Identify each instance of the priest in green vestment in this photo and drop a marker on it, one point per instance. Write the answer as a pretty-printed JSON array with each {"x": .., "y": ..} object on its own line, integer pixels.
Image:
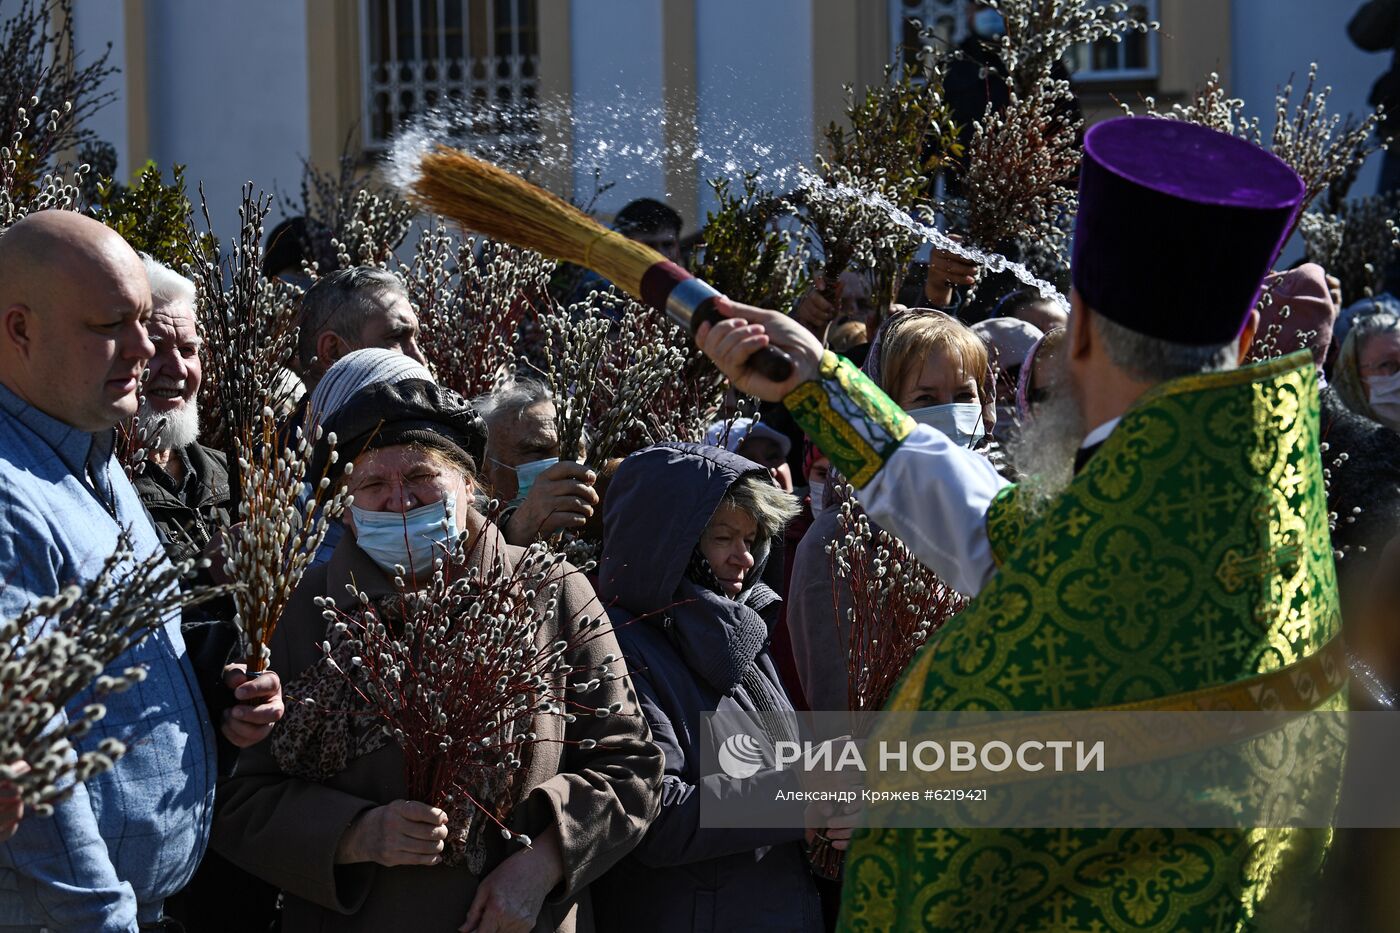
[{"x": 1186, "y": 565}]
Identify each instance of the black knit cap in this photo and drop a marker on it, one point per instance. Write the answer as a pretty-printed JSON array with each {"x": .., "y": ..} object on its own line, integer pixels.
[{"x": 407, "y": 412}]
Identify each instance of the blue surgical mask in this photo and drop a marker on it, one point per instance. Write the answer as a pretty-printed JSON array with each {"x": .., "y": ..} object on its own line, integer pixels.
[
  {"x": 988, "y": 24},
  {"x": 961, "y": 422},
  {"x": 818, "y": 493},
  {"x": 525, "y": 476},
  {"x": 412, "y": 539}
]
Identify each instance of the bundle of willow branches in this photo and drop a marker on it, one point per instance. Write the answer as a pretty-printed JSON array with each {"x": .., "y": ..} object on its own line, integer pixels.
[
  {"x": 457, "y": 672},
  {"x": 25, "y": 189},
  {"x": 747, "y": 253},
  {"x": 625, "y": 377},
  {"x": 1021, "y": 165},
  {"x": 1040, "y": 33},
  {"x": 1320, "y": 147},
  {"x": 896, "y": 604},
  {"x": 472, "y": 297},
  {"x": 279, "y": 532},
  {"x": 40, "y": 71},
  {"x": 1356, "y": 243},
  {"x": 60, "y": 649},
  {"x": 249, "y": 328},
  {"x": 575, "y": 342},
  {"x": 843, "y": 214}
]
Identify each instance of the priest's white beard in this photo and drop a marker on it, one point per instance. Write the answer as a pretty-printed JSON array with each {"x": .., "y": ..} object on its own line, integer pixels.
[
  {"x": 181, "y": 427},
  {"x": 1044, "y": 447}
]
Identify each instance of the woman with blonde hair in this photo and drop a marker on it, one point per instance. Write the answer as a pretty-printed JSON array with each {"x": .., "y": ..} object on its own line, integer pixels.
[{"x": 938, "y": 371}]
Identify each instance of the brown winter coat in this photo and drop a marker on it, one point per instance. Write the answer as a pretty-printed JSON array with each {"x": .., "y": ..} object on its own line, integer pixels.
[{"x": 286, "y": 829}]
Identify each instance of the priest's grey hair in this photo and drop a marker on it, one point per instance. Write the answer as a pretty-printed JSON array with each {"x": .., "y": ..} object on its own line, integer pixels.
[
  {"x": 770, "y": 506},
  {"x": 1149, "y": 359}
]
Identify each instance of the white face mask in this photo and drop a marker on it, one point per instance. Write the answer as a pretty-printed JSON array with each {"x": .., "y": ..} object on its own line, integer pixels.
[
  {"x": 1384, "y": 392},
  {"x": 960, "y": 422},
  {"x": 818, "y": 493}
]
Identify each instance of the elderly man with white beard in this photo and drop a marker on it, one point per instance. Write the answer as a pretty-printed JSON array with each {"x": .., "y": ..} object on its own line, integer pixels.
[{"x": 183, "y": 484}]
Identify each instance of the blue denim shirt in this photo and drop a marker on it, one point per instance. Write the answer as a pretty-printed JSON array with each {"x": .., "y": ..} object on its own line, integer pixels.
[{"x": 127, "y": 839}]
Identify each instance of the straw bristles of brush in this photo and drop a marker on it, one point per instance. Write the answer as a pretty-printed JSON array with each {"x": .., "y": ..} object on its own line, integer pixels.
[{"x": 493, "y": 202}]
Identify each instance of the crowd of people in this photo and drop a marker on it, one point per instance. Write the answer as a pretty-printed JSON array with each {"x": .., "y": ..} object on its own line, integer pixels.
[{"x": 1162, "y": 492}]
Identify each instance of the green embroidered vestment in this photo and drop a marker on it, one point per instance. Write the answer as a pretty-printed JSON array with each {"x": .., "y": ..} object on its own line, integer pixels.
[{"x": 1192, "y": 551}]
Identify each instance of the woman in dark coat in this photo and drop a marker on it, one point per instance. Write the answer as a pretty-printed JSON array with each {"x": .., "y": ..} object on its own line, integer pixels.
[
  {"x": 320, "y": 809},
  {"x": 687, "y": 530}
]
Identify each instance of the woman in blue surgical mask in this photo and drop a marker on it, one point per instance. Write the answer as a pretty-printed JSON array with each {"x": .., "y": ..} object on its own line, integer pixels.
[
  {"x": 937, "y": 369},
  {"x": 583, "y": 793}
]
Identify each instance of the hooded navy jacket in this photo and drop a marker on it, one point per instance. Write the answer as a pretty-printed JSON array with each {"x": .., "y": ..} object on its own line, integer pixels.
[{"x": 679, "y": 650}]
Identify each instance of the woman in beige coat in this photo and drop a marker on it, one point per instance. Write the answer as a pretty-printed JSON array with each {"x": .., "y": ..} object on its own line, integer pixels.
[{"x": 348, "y": 850}]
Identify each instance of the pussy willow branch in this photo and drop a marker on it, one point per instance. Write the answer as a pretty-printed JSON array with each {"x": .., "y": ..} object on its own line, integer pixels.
[
  {"x": 60, "y": 649},
  {"x": 22, "y": 190},
  {"x": 248, "y": 324},
  {"x": 278, "y": 533},
  {"x": 472, "y": 298}
]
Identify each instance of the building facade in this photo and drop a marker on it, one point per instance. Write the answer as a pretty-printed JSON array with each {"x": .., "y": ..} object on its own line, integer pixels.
[{"x": 640, "y": 97}]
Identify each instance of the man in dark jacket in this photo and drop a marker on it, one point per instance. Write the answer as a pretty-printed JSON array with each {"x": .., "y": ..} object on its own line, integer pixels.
[{"x": 693, "y": 618}]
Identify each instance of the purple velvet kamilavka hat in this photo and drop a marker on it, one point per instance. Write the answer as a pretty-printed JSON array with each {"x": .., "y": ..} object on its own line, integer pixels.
[{"x": 1178, "y": 225}]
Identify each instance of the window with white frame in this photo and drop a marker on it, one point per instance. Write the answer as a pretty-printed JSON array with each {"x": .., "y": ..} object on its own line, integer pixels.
[
  {"x": 944, "y": 25},
  {"x": 1132, "y": 58},
  {"x": 481, "y": 57}
]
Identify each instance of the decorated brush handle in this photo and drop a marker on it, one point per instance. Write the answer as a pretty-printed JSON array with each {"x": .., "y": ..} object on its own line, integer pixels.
[{"x": 690, "y": 302}]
